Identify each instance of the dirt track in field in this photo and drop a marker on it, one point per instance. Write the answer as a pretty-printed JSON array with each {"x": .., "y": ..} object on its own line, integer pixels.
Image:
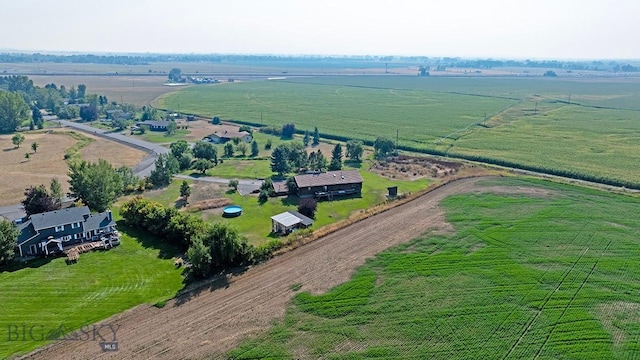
[{"x": 214, "y": 320}]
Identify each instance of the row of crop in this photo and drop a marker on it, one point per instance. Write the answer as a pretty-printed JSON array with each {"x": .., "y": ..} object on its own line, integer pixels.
[{"x": 566, "y": 173}]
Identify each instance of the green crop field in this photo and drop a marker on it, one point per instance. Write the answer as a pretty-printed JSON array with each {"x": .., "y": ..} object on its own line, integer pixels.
[
  {"x": 549, "y": 274},
  {"x": 582, "y": 127},
  {"x": 48, "y": 295}
]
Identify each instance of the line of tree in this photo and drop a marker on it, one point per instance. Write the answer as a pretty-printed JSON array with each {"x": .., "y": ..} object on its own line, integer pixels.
[
  {"x": 210, "y": 247},
  {"x": 348, "y": 61}
]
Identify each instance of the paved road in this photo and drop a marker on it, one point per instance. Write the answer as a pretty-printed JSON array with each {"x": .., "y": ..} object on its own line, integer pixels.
[
  {"x": 12, "y": 212},
  {"x": 245, "y": 186}
]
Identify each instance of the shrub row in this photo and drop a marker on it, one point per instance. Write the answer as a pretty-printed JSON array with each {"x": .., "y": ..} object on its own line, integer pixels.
[{"x": 210, "y": 248}]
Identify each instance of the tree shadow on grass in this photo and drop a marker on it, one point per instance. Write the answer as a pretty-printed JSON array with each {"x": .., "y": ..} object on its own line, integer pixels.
[
  {"x": 353, "y": 164},
  {"x": 18, "y": 265},
  {"x": 290, "y": 200},
  {"x": 166, "y": 250},
  {"x": 194, "y": 288}
]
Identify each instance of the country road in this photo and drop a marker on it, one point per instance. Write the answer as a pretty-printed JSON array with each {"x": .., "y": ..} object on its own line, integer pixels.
[
  {"x": 216, "y": 318},
  {"x": 142, "y": 169}
]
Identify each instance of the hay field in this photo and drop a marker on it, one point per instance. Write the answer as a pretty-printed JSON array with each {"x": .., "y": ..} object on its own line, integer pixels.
[
  {"x": 17, "y": 173},
  {"x": 137, "y": 90}
]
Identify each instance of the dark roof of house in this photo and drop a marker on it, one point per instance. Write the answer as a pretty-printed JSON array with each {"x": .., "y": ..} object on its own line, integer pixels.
[
  {"x": 229, "y": 134},
  {"x": 59, "y": 217},
  {"x": 154, "y": 123},
  {"x": 303, "y": 219},
  {"x": 280, "y": 187},
  {"x": 329, "y": 178},
  {"x": 26, "y": 231},
  {"x": 97, "y": 221}
]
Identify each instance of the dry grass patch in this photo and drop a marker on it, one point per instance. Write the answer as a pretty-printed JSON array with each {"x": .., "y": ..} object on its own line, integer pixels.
[
  {"x": 215, "y": 203},
  {"x": 116, "y": 153},
  {"x": 17, "y": 173}
]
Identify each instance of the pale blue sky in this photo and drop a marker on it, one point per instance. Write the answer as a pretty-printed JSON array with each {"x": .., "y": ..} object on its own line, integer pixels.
[{"x": 558, "y": 29}]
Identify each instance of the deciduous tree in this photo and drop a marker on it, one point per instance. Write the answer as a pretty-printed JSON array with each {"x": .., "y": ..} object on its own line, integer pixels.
[
  {"x": 13, "y": 110},
  {"x": 228, "y": 149},
  {"x": 97, "y": 185},
  {"x": 288, "y": 130},
  {"x": 34, "y": 147},
  {"x": 8, "y": 239},
  {"x": 205, "y": 150},
  {"x": 175, "y": 75},
  {"x": 171, "y": 128},
  {"x": 354, "y": 150},
  {"x": 242, "y": 147},
  {"x": 307, "y": 207},
  {"x": 89, "y": 113},
  {"x": 202, "y": 165},
  {"x": 17, "y": 140},
  {"x": 38, "y": 200},
  {"x": 233, "y": 183},
  {"x": 383, "y": 146}
]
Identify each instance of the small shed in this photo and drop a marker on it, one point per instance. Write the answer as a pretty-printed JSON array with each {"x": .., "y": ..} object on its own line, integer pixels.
[
  {"x": 393, "y": 191},
  {"x": 286, "y": 222}
]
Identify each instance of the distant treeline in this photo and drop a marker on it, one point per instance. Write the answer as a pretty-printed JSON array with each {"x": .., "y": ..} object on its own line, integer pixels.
[{"x": 435, "y": 62}]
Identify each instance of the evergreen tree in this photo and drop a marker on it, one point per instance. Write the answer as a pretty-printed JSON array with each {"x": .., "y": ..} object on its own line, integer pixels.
[
  {"x": 336, "y": 158},
  {"x": 307, "y": 138},
  {"x": 280, "y": 161},
  {"x": 316, "y": 137},
  {"x": 255, "y": 150}
]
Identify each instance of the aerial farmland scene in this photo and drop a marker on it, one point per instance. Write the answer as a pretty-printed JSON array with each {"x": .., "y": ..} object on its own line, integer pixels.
[{"x": 335, "y": 180}]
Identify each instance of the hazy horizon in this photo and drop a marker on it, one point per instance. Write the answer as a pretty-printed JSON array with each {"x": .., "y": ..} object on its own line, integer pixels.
[{"x": 497, "y": 29}]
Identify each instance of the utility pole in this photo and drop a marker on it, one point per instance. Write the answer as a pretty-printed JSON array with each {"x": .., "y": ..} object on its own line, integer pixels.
[
  {"x": 535, "y": 109},
  {"x": 397, "y": 133}
]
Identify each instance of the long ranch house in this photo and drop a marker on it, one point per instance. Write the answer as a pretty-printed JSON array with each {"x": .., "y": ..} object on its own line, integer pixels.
[{"x": 329, "y": 184}]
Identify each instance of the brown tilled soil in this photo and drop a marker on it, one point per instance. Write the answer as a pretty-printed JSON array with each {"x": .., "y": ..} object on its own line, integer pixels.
[
  {"x": 415, "y": 167},
  {"x": 215, "y": 318}
]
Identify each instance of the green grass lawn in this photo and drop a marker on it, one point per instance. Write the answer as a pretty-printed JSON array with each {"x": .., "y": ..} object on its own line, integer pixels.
[
  {"x": 549, "y": 276},
  {"x": 161, "y": 137},
  {"x": 255, "y": 221},
  {"x": 48, "y": 293}
]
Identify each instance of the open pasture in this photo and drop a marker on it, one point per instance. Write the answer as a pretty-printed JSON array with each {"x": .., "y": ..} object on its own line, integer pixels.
[
  {"x": 532, "y": 270},
  {"x": 18, "y": 173},
  {"x": 579, "y": 125}
]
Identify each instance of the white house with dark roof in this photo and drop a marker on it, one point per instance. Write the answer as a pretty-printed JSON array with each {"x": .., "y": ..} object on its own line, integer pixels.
[{"x": 50, "y": 232}]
